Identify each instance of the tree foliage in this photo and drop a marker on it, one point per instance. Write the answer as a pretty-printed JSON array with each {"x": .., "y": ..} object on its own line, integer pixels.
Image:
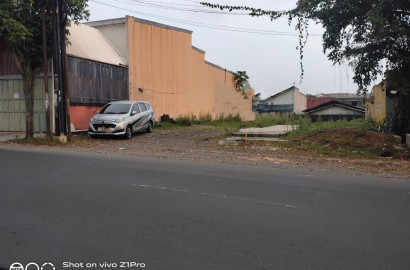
[
  {"x": 241, "y": 82},
  {"x": 364, "y": 32},
  {"x": 20, "y": 24}
]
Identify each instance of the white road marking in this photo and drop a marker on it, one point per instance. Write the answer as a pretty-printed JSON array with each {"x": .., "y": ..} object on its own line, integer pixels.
[{"x": 227, "y": 197}]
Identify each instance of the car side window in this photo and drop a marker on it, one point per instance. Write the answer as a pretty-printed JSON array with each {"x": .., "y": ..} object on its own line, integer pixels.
[
  {"x": 148, "y": 106},
  {"x": 143, "y": 107},
  {"x": 135, "y": 108}
]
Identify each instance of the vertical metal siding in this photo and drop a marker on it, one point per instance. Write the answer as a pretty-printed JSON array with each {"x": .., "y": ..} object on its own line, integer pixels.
[
  {"x": 12, "y": 110},
  {"x": 94, "y": 83}
]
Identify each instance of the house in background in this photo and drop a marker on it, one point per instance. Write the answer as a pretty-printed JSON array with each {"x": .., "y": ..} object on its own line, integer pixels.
[
  {"x": 334, "y": 110},
  {"x": 287, "y": 102},
  {"x": 348, "y": 98},
  {"x": 313, "y": 101}
]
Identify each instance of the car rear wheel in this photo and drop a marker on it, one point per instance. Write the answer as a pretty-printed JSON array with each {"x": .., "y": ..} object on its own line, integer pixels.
[
  {"x": 149, "y": 128},
  {"x": 128, "y": 132}
]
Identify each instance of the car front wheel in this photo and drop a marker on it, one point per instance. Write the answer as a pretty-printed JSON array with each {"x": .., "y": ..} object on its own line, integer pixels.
[
  {"x": 149, "y": 128},
  {"x": 128, "y": 132}
]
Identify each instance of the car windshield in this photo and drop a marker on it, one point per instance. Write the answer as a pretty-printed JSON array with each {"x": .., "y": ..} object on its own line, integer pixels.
[{"x": 116, "y": 109}]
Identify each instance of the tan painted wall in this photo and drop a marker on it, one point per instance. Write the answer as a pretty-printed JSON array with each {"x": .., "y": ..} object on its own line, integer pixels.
[
  {"x": 300, "y": 102},
  {"x": 175, "y": 78},
  {"x": 377, "y": 108},
  {"x": 227, "y": 99}
]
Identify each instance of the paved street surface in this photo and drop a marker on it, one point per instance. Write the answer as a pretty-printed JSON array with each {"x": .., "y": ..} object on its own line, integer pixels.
[{"x": 78, "y": 208}]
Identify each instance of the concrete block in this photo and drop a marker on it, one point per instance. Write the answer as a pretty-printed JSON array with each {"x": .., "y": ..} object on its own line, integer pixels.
[
  {"x": 397, "y": 139},
  {"x": 408, "y": 140},
  {"x": 62, "y": 139}
]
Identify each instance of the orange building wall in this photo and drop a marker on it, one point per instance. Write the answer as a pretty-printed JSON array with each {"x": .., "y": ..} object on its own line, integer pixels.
[
  {"x": 80, "y": 115},
  {"x": 175, "y": 78}
]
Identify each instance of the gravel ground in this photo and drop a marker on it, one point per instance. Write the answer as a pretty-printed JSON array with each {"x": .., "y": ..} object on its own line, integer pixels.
[{"x": 204, "y": 143}]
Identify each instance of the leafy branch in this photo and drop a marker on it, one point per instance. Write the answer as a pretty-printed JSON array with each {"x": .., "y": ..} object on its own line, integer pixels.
[{"x": 241, "y": 82}]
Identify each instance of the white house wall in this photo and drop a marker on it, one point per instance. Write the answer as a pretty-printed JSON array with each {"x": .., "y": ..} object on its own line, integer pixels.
[{"x": 284, "y": 98}]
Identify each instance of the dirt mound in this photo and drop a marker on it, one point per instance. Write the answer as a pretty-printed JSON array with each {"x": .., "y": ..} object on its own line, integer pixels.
[{"x": 357, "y": 141}]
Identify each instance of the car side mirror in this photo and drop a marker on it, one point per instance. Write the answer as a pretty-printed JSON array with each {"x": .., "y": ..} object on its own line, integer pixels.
[{"x": 133, "y": 112}]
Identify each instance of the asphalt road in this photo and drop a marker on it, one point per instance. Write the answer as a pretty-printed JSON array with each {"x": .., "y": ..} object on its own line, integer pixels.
[{"x": 84, "y": 208}]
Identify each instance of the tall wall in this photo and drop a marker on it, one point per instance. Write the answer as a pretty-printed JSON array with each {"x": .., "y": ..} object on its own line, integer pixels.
[
  {"x": 376, "y": 107},
  {"x": 165, "y": 70},
  {"x": 227, "y": 99},
  {"x": 300, "y": 102}
]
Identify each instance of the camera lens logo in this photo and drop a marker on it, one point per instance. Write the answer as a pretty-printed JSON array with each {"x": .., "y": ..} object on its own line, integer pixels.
[
  {"x": 16, "y": 266},
  {"x": 32, "y": 266}
]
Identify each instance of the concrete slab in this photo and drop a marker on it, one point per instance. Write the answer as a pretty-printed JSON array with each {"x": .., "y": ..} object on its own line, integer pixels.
[
  {"x": 273, "y": 131},
  {"x": 236, "y": 140},
  {"x": 7, "y": 136}
]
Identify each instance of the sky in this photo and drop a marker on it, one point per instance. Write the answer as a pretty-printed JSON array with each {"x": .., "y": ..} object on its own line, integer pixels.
[{"x": 269, "y": 57}]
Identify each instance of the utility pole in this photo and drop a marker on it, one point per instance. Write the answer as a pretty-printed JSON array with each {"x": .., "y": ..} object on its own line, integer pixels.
[
  {"x": 65, "y": 69},
  {"x": 58, "y": 67},
  {"x": 55, "y": 71},
  {"x": 43, "y": 22}
]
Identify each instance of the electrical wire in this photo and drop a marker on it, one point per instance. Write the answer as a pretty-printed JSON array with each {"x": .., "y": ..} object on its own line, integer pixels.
[
  {"x": 217, "y": 27},
  {"x": 177, "y": 6}
]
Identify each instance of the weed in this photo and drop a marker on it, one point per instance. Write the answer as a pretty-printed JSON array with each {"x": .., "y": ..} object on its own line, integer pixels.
[
  {"x": 205, "y": 118},
  {"x": 183, "y": 121}
]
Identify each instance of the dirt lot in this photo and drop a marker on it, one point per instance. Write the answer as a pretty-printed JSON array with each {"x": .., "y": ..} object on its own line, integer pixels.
[{"x": 205, "y": 143}]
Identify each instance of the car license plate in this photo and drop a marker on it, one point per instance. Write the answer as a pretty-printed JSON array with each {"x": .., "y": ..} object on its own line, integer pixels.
[{"x": 104, "y": 129}]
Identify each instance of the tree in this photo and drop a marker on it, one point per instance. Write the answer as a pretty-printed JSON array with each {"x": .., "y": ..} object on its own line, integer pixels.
[
  {"x": 21, "y": 21},
  {"x": 364, "y": 32}
]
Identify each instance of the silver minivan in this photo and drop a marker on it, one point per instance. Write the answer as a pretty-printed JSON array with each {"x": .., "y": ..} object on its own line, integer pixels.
[{"x": 122, "y": 118}]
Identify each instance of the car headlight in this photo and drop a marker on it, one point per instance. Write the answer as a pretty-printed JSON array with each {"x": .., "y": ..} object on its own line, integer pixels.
[{"x": 119, "y": 120}]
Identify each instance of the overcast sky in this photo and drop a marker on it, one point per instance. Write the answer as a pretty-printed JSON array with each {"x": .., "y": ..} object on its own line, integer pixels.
[{"x": 271, "y": 59}]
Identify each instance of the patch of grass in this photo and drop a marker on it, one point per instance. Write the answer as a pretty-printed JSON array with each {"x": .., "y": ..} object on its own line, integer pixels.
[
  {"x": 205, "y": 118},
  {"x": 343, "y": 142},
  {"x": 36, "y": 141},
  {"x": 184, "y": 121},
  {"x": 229, "y": 118},
  {"x": 79, "y": 141},
  {"x": 164, "y": 126},
  {"x": 306, "y": 126}
]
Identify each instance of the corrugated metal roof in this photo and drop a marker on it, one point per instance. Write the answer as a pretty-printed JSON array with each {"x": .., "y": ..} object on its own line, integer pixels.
[{"x": 89, "y": 43}]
